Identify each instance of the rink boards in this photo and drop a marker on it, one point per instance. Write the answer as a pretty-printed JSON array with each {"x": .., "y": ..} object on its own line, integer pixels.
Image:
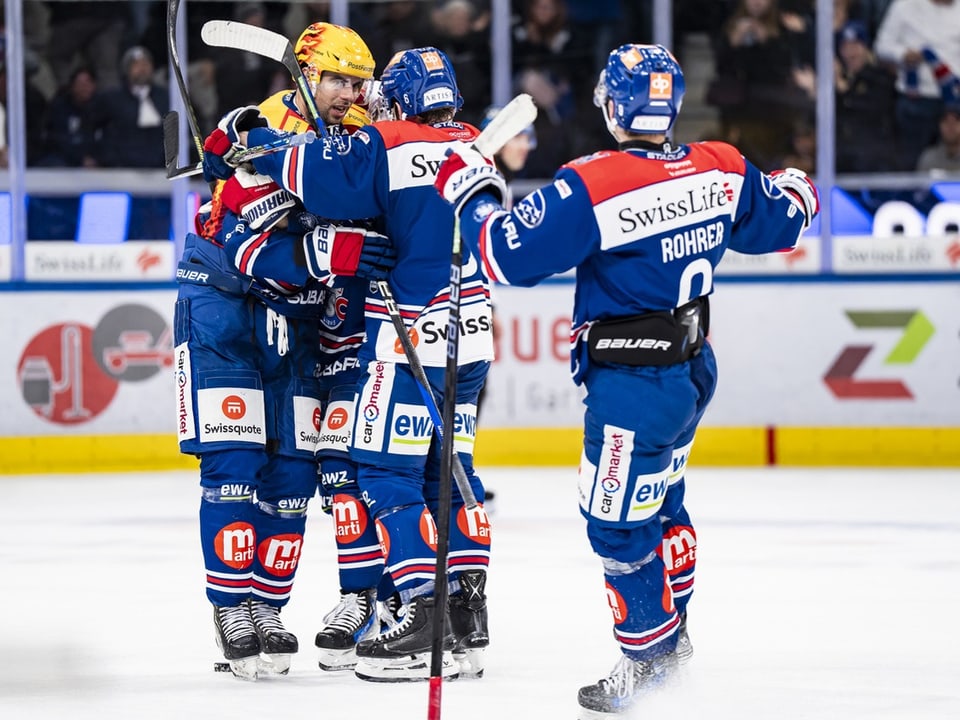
[{"x": 813, "y": 371}]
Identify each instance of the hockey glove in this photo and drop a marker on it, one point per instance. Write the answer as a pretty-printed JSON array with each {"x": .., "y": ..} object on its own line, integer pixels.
[
  {"x": 465, "y": 173},
  {"x": 352, "y": 252},
  {"x": 256, "y": 199},
  {"x": 224, "y": 142},
  {"x": 802, "y": 192}
]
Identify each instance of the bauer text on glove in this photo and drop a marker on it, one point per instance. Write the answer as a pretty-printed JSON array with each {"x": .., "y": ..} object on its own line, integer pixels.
[
  {"x": 348, "y": 251},
  {"x": 464, "y": 174},
  {"x": 220, "y": 146}
]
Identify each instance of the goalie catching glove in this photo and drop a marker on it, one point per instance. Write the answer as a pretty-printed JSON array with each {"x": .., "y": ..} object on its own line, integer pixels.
[
  {"x": 802, "y": 192},
  {"x": 223, "y": 143},
  {"x": 256, "y": 199},
  {"x": 353, "y": 252},
  {"x": 464, "y": 174}
]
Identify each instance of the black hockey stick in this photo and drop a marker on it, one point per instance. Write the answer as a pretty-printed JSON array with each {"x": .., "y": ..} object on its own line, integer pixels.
[
  {"x": 171, "y": 121},
  {"x": 260, "y": 41},
  {"x": 515, "y": 116}
]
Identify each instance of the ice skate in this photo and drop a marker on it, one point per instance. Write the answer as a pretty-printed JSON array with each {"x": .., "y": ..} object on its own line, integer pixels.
[
  {"x": 352, "y": 620},
  {"x": 684, "y": 646},
  {"x": 468, "y": 620},
  {"x": 237, "y": 639},
  {"x": 276, "y": 643},
  {"x": 402, "y": 654},
  {"x": 628, "y": 681}
]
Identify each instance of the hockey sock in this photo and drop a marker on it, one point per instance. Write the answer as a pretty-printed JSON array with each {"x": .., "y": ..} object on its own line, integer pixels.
[{"x": 645, "y": 621}]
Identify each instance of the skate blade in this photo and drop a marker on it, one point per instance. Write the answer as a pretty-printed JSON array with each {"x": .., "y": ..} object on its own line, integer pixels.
[
  {"x": 276, "y": 664},
  {"x": 412, "y": 668},
  {"x": 337, "y": 660},
  {"x": 244, "y": 668},
  {"x": 470, "y": 662},
  {"x": 587, "y": 714}
]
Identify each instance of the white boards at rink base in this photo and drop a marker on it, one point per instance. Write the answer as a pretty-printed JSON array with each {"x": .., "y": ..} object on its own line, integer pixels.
[{"x": 813, "y": 371}]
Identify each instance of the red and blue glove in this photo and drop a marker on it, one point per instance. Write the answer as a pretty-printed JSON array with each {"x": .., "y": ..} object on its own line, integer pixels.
[
  {"x": 223, "y": 143},
  {"x": 464, "y": 174},
  {"x": 802, "y": 192},
  {"x": 348, "y": 251},
  {"x": 256, "y": 199}
]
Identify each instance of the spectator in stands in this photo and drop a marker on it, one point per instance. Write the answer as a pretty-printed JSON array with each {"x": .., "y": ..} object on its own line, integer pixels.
[
  {"x": 945, "y": 154},
  {"x": 461, "y": 29},
  {"x": 865, "y": 99},
  {"x": 133, "y": 135},
  {"x": 34, "y": 108},
  {"x": 754, "y": 90},
  {"x": 74, "y": 123},
  {"x": 398, "y": 25},
  {"x": 245, "y": 78},
  {"x": 87, "y": 33},
  {"x": 910, "y": 28}
]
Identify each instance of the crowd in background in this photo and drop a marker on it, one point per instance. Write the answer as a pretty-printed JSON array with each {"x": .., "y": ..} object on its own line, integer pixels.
[{"x": 97, "y": 73}]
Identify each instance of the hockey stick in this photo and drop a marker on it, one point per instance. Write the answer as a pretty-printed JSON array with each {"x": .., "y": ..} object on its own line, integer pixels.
[
  {"x": 515, "y": 116},
  {"x": 171, "y": 121},
  {"x": 258, "y": 40},
  {"x": 242, "y": 155}
]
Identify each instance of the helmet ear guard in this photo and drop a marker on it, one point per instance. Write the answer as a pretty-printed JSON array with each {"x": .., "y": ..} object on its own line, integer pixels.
[{"x": 646, "y": 85}]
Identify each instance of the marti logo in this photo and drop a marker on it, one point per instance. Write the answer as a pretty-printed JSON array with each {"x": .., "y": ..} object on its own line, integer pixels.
[{"x": 917, "y": 331}]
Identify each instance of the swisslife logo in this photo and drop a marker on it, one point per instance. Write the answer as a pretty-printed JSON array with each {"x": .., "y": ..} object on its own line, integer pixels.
[{"x": 914, "y": 331}]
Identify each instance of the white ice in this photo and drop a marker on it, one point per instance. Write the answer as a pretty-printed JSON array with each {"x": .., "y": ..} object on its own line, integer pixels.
[{"x": 821, "y": 594}]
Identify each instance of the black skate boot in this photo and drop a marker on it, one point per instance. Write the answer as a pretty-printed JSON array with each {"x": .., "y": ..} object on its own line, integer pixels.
[
  {"x": 628, "y": 680},
  {"x": 276, "y": 642},
  {"x": 468, "y": 620},
  {"x": 352, "y": 620},
  {"x": 402, "y": 654},
  {"x": 684, "y": 646},
  {"x": 237, "y": 639}
]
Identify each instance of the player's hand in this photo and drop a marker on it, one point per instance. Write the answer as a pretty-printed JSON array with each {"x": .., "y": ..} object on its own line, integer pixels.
[
  {"x": 802, "y": 192},
  {"x": 349, "y": 251},
  {"x": 465, "y": 173},
  {"x": 256, "y": 199},
  {"x": 220, "y": 146}
]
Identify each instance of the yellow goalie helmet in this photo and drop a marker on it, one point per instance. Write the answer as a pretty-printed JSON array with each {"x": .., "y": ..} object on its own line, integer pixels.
[{"x": 335, "y": 48}]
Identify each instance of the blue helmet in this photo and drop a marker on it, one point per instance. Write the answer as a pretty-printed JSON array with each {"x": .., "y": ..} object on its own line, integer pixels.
[
  {"x": 646, "y": 85},
  {"x": 419, "y": 80}
]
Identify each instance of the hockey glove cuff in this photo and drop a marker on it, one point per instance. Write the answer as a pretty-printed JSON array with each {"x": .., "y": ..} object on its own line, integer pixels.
[
  {"x": 802, "y": 192},
  {"x": 352, "y": 252},
  {"x": 464, "y": 174},
  {"x": 223, "y": 143},
  {"x": 256, "y": 199}
]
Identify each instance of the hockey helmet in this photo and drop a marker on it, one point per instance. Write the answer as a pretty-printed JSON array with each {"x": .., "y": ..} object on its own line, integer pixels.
[
  {"x": 646, "y": 85},
  {"x": 419, "y": 80},
  {"x": 335, "y": 48}
]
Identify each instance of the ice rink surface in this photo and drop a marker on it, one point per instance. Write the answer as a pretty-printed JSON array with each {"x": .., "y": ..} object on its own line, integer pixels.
[{"x": 821, "y": 594}]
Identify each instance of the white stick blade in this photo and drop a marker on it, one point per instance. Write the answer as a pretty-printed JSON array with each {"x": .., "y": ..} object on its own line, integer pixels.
[
  {"x": 515, "y": 116},
  {"x": 226, "y": 33}
]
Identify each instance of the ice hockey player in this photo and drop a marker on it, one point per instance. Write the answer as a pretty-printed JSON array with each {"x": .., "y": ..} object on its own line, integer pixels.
[
  {"x": 253, "y": 290},
  {"x": 387, "y": 170},
  {"x": 645, "y": 227}
]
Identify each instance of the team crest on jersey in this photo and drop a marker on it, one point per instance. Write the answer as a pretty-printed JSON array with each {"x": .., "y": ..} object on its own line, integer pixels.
[
  {"x": 335, "y": 311},
  {"x": 531, "y": 209}
]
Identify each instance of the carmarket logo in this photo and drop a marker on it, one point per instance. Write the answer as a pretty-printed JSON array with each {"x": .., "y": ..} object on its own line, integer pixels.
[{"x": 917, "y": 331}]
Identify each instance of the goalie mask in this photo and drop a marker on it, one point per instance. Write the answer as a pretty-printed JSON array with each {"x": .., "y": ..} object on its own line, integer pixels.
[
  {"x": 646, "y": 85},
  {"x": 324, "y": 46},
  {"x": 420, "y": 80}
]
